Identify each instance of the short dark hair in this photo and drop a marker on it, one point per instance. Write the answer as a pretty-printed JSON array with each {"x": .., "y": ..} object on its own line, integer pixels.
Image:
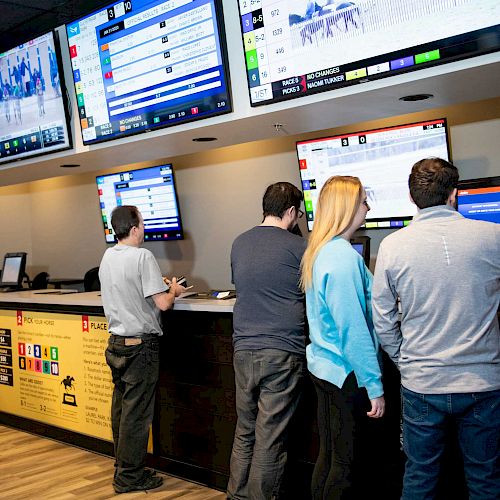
[
  {"x": 279, "y": 197},
  {"x": 123, "y": 219},
  {"x": 431, "y": 182}
]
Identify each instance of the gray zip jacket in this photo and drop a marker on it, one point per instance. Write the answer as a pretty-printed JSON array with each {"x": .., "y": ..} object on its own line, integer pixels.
[{"x": 445, "y": 270}]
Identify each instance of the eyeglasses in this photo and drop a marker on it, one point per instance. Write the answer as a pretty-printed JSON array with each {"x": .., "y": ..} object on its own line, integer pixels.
[
  {"x": 300, "y": 212},
  {"x": 365, "y": 203}
]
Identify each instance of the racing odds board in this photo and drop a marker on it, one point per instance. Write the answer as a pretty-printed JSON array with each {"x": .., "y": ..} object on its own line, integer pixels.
[{"x": 300, "y": 47}]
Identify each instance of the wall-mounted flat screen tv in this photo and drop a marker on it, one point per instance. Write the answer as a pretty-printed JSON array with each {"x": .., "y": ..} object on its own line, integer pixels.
[
  {"x": 152, "y": 190},
  {"x": 301, "y": 47},
  {"x": 33, "y": 112},
  {"x": 139, "y": 65},
  {"x": 479, "y": 199},
  {"x": 381, "y": 158}
]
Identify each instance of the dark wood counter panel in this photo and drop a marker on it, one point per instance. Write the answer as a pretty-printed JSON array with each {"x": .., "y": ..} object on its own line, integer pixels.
[{"x": 195, "y": 406}]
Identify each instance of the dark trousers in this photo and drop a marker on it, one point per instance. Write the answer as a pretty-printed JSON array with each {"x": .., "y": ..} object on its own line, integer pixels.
[
  {"x": 135, "y": 373},
  {"x": 357, "y": 456},
  {"x": 427, "y": 420},
  {"x": 268, "y": 389}
]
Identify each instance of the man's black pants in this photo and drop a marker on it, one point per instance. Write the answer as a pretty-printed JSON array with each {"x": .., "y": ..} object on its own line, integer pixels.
[{"x": 135, "y": 373}]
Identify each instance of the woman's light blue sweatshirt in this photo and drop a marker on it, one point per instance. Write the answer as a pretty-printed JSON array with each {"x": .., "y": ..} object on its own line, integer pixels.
[{"x": 340, "y": 320}]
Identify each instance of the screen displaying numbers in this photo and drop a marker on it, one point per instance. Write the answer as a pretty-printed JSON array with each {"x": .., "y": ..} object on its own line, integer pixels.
[
  {"x": 152, "y": 191},
  {"x": 299, "y": 47},
  {"x": 382, "y": 159},
  {"x": 142, "y": 64}
]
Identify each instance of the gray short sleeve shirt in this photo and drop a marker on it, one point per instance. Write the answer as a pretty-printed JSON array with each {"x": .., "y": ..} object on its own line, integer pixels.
[{"x": 129, "y": 277}]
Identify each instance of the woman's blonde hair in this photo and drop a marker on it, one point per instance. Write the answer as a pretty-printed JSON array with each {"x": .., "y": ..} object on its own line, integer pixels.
[{"x": 337, "y": 205}]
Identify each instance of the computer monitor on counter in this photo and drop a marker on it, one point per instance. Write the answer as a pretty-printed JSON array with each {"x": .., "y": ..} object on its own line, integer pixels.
[
  {"x": 362, "y": 245},
  {"x": 479, "y": 199},
  {"x": 14, "y": 265}
]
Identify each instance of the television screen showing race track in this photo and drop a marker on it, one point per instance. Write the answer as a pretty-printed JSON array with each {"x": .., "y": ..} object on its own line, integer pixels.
[
  {"x": 33, "y": 117},
  {"x": 381, "y": 158},
  {"x": 300, "y": 47}
]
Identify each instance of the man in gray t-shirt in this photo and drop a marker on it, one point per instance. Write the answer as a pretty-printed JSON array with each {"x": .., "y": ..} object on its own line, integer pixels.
[
  {"x": 445, "y": 271},
  {"x": 133, "y": 296},
  {"x": 269, "y": 344}
]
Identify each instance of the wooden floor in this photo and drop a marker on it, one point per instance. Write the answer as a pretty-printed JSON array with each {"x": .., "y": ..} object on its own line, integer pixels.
[{"x": 33, "y": 467}]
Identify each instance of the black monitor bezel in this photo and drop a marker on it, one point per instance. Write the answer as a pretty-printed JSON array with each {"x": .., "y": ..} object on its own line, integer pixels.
[
  {"x": 181, "y": 225},
  {"x": 480, "y": 182},
  {"x": 219, "y": 15},
  {"x": 22, "y": 269},
  {"x": 65, "y": 100}
]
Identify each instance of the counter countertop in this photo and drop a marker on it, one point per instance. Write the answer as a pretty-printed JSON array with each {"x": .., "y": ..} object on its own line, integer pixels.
[{"x": 93, "y": 299}]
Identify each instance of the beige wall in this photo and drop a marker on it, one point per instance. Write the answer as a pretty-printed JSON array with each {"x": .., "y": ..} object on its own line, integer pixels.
[
  {"x": 58, "y": 222},
  {"x": 15, "y": 213}
]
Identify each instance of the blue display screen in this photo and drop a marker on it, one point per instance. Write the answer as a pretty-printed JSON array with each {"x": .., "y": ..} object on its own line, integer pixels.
[
  {"x": 142, "y": 64},
  {"x": 152, "y": 190},
  {"x": 480, "y": 203}
]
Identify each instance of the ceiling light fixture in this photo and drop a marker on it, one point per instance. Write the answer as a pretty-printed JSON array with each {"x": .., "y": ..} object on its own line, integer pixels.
[
  {"x": 416, "y": 97},
  {"x": 204, "y": 139}
]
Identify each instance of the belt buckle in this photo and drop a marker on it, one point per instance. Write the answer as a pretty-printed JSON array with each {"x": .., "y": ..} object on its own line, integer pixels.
[{"x": 132, "y": 341}]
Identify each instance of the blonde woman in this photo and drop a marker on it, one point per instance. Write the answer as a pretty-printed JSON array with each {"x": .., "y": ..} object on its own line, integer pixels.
[{"x": 342, "y": 355}]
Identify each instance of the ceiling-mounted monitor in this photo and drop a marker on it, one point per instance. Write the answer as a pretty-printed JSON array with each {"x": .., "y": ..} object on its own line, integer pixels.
[
  {"x": 152, "y": 190},
  {"x": 301, "y": 47},
  {"x": 33, "y": 109},
  {"x": 140, "y": 65},
  {"x": 381, "y": 158}
]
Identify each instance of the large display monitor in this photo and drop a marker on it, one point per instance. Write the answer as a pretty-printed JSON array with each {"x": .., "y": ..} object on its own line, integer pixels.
[
  {"x": 381, "y": 158},
  {"x": 300, "y": 47},
  {"x": 139, "y": 65},
  {"x": 479, "y": 199},
  {"x": 33, "y": 111},
  {"x": 152, "y": 190},
  {"x": 14, "y": 265}
]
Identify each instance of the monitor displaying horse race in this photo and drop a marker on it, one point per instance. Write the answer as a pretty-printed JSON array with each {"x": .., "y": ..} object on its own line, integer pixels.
[
  {"x": 300, "y": 47},
  {"x": 34, "y": 117}
]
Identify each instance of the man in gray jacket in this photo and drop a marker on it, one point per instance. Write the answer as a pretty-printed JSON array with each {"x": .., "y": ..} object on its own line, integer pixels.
[{"x": 445, "y": 272}]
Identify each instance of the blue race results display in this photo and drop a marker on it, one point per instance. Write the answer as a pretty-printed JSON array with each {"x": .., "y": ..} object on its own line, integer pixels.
[
  {"x": 152, "y": 190},
  {"x": 479, "y": 199},
  {"x": 141, "y": 64}
]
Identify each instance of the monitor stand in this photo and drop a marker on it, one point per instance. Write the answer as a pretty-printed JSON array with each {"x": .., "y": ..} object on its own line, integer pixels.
[{"x": 6, "y": 289}]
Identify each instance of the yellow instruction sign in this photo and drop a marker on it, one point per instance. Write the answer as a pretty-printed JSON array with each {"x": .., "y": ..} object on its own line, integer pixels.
[{"x": 52, "y": 369}]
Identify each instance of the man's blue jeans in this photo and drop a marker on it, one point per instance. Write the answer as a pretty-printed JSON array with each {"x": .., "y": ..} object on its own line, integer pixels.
[
  {"x": 268, "y": 389},
  {"x": 135, "y": 371},
  {"x": 427, "y": 419}
]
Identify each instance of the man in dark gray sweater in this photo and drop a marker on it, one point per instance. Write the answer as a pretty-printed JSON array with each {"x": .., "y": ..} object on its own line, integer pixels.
[
  {"x": 445, "y": 271},
  {"x": 269, "y": 344}
]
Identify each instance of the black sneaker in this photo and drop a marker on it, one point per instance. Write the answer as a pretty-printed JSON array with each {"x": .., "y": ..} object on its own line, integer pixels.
[
  {"x": 148, "y": 483},
  {"x": 149, "y": 472}
]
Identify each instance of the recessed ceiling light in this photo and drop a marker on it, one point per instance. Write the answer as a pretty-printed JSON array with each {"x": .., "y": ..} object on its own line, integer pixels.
[
  {"x": 69, "y": 165},
  {"x": 416, "y": 97},
  {"x": 204, "y": 139}
]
